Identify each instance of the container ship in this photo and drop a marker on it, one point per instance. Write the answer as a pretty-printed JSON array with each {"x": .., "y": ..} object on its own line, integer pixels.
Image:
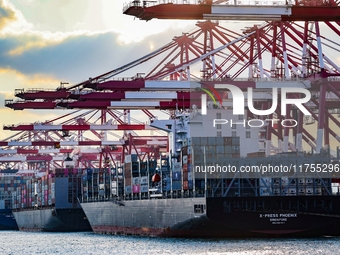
[
  {"x": 189, "y": 191},
  {"x": 50, "y": 203},
  {"x": 10, "y": 179}
]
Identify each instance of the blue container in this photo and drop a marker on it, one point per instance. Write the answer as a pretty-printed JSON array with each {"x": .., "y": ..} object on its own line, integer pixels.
[
  {"x": 191, "y": 184},
  {"x": 152, "y": 165},
  {"x": 202, "y": 184},
  {"x": 134, "y": 158},
  {"x": 176, "y": 185},
  {"x": 165, "y": 168},
  {"x": 143, "y": 166},
  {"x": 176, "y": 176},
  {"x": 135, "y": 167}
]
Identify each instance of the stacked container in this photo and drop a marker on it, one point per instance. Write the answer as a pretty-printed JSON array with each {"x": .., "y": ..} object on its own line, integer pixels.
[
  {"x": 165, "y": 174},
  {"x": 101, "y": 183},
  {"x": 40, "y": 192},
  {"x": 8, "y": 186}
]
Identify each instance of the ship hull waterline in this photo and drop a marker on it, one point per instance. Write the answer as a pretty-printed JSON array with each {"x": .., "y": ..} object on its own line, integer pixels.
[
  {"x": 52, "y": 220},
  {"x": 176, "y": 218}
]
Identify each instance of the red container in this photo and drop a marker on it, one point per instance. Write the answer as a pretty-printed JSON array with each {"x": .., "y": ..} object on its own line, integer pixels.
[
  {"x": 128, "y": 181},
  {"x": 185, "y": 185},
  {"x": 185, "y": 176},
  {"x": 185, "y": 168},
  {"x": 189, "y": 158},
  {"x": 136, "y": 188},
  {"x": 185, "y": 150}
]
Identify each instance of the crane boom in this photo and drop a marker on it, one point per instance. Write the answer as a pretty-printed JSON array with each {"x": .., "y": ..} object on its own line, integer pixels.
[{"x": 271, "y": 10}]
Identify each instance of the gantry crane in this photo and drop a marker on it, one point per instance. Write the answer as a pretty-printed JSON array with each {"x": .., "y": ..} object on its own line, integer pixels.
[
  {"x": 90, "y": 137},
  {"x": 297, "y": 53},
  {"x": 265, "y": 10}
]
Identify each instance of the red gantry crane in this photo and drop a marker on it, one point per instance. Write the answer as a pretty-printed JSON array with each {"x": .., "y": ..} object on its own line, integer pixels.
[
  {"x": 94, "y": 138},
  {"x": 265, "y": 10},
  {"x": 276, "y": 52}
]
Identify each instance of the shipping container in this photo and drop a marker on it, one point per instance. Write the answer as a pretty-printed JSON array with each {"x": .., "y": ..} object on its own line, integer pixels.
[
  {"x": 128, "y": 189},
  {"x": 143, "y": 180},
  {"x": 176, "y": 176},
  {"x": 185, "y": 185},
  {"x": 128, "y": 181},
  {"x": 176, "y": 185},
  {"x": 136, "y": 188},
  {"x": 184, "y": 150},
  {"x": 144, "y": 188},
  {"x": 185, "y": 168},
  {"x": 177, "y": 166},
  {"x": 136, "y": 181},
  {"x": 185, "y": 159}
]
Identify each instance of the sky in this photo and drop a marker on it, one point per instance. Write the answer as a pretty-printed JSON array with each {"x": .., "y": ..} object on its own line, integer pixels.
[{"x": 43, "y": 43}]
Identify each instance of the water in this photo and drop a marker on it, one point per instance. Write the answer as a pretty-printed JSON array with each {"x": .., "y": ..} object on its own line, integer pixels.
[{"x": 15, "y": 242}]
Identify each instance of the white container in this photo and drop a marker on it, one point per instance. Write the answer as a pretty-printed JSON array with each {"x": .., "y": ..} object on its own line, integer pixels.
[
  {"x": 185, "y": 159},
  {"x": 136, "y": 181},
  {"x": 144, "y": 188},
  {"x": 113, "y": 184},
  {"x": 144, "y": 180},
  {"x": 127, "y": 159}
]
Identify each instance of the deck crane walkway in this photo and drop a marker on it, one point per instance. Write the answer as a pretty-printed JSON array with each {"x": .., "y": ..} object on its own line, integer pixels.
[{"x": 266, "y": 10}]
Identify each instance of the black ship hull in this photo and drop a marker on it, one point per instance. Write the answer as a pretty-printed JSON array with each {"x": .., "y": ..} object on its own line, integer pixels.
[
  {"x": 52, "y": 220},
  {"x": 7, "y": 220},
  {"x": 294, "y": 216}
]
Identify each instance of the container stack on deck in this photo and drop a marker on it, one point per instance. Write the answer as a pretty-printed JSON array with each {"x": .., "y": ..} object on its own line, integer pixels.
[
  {"x": 41, "y": 192},
  {"x": 36, "y": 192},
  {"x": 101, "y": 183},
  {"x": 165, "y": 174},
  {"x": 8, "y": 186}
]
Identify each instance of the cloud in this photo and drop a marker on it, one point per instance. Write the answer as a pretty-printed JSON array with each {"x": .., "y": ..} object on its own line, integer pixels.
[
  {"x": 77, "y": 57},
  {"x": 74, "y": 55},
  {"x": 7, "y": 14},
  {"x": 11, "y": 19},
  {"x": 9, "y": 117},
  {"x": 12, "y": 79}
]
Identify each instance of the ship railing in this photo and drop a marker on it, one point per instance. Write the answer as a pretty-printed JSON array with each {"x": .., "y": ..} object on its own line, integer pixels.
[
  {"x": 39, "y": 207},
  {"x": 32, "y": 90},
  {"x": 20, "y": 101},
  {"x": 97, "y": 199},
  {"x": 145, "y": 4},
  {"x": 139, "y": 3},
  {"x": 227, "y": 78},
  {"x": 28, "y": 124}
]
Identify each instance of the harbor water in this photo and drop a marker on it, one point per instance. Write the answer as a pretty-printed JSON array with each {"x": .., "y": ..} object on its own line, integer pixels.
[{"x": 17, "y": 242}]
